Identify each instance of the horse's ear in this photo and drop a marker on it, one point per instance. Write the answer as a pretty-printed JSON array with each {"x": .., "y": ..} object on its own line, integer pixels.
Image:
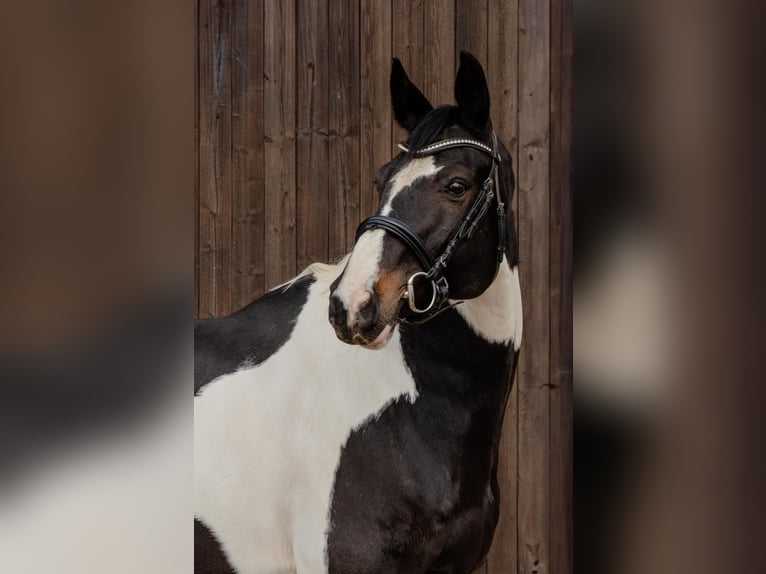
[
  {"x": 410, "y": 105},
  {"x": 472, "y": 93}
]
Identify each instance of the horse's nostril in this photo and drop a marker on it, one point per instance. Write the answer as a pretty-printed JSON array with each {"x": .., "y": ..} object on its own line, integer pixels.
[
  {"x": 367, "y": 315},
  {"x": 337, "y": 311}
]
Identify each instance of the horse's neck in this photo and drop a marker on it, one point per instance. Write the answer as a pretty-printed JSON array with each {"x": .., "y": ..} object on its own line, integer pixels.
[
  {"x": 465, "y": 355},
  {"x": 462, "y": 361}
]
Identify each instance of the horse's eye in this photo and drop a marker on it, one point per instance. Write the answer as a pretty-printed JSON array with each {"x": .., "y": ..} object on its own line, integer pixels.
[{"x": 457, "y": 187}]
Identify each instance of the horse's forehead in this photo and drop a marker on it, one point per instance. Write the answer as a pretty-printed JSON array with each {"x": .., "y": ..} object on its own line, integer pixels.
[{"x": 408, "y": 173}]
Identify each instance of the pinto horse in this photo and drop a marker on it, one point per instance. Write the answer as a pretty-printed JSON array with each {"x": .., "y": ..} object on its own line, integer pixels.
[{"x": 348, "y": 421}]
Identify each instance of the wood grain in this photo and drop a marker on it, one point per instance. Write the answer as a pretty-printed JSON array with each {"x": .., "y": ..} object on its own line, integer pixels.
[
  {"x": 471, "y": 29},
  {"x": 313, "y": 132},
  {"x": 196, "y": 157},
  {"x": 215, "y": 166},
  {"x": 502, "y": 74},
  {"x": 345, "y": 135},
  {"x": 438, "y": 51},
  {"x": 534, "y": 240},
  {"x": 376, "y": 114},
  {"x": 561, "y": 422},
  {"x": 248, "y": 195},
  {"x": 408, "y": 45},
  {"x": 279, "y": 126}
]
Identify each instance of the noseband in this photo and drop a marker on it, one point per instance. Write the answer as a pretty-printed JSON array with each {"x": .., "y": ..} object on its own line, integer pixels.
[{"x": 434, "y": 268}]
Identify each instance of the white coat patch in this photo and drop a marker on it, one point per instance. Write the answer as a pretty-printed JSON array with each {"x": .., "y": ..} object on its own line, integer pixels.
[
  {"x": 496, "y": 314},
  {"x": 405, "y": 177},
  {"x": 268, "y": 440}
]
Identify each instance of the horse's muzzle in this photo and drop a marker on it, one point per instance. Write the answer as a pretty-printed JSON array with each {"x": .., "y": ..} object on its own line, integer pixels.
[{"x": 360, "y": 327}]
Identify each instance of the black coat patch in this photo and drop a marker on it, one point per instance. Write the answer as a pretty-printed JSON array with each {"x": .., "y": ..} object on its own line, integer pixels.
[
  {"x": 416, "y": 488},
  {"x": 250, "y": 336},
  {"x": 209, "y": 557}
]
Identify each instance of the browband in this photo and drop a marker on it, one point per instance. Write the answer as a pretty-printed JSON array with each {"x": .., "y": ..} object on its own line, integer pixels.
[{"x": 442, "y": 145}]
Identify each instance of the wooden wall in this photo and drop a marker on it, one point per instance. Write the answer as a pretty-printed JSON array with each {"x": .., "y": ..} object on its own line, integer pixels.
[{"x": 293, "y": 118}]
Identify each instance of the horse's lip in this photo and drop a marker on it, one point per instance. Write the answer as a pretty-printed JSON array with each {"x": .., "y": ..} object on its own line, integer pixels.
[{"x": 382, "y": 338}]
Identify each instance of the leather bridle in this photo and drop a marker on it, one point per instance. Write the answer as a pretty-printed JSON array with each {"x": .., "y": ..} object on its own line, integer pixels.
[{"x": 434, "y": 268}]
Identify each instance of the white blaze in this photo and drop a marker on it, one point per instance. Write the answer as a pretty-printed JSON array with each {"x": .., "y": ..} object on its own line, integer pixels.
[{"x": 364, "y": 265}]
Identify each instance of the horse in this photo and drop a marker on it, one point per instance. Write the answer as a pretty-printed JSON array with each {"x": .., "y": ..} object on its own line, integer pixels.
[{"x": 348, "y": 421}]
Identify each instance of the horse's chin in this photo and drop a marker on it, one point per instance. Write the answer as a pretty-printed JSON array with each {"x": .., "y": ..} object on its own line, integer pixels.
[{"x": 382, "y": 339}]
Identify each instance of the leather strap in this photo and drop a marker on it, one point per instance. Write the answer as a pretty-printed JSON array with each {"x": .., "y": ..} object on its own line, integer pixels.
[{"x": 401, "y": 232}]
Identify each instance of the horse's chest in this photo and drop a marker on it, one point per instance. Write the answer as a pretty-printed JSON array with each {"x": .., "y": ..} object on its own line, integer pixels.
[
  {"x": 268, "y": 441},
  {"x": 407, "y": 497},
  {"x": 410, "y": 533}
]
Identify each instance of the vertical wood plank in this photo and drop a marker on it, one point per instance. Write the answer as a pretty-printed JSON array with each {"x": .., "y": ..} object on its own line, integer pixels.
[
  {"x": 502, "y": 557},
  {"x": 196, "y": 157},
  {"x": 439, "y": 51},
  {"x": 344, "y": 161},
  {"x": 408, "y": 44},
  {"x": 279, "y": 96},
  {"x": 313, "y": 131},
  {"x": 247, "y": 148},
  {"x": 534, "y": 242},
  {"x": 561, "y": 552},
  {"x": 215, "y": 158},
  {"x": 471, "y": 29},
  {"x": 376, "y": 118},
  {"x": 502, "y": 75}
]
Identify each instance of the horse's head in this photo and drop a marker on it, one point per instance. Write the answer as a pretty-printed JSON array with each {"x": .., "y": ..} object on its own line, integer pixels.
[{"x": 442, "y": 226}]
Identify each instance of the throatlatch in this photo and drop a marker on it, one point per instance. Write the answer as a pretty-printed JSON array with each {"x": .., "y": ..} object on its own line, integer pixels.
[{"x": 434, "y": 268}]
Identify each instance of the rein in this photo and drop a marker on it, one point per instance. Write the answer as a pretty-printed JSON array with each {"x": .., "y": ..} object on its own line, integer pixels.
[{"x": 434, "y": 268}]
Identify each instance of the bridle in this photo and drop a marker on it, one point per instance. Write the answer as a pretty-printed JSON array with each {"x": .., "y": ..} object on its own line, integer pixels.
[{"x": 434, "y": 268}]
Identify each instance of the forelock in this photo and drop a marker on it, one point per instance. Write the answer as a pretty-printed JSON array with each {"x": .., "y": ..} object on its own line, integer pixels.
[{"x": 432, "y": 124}]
